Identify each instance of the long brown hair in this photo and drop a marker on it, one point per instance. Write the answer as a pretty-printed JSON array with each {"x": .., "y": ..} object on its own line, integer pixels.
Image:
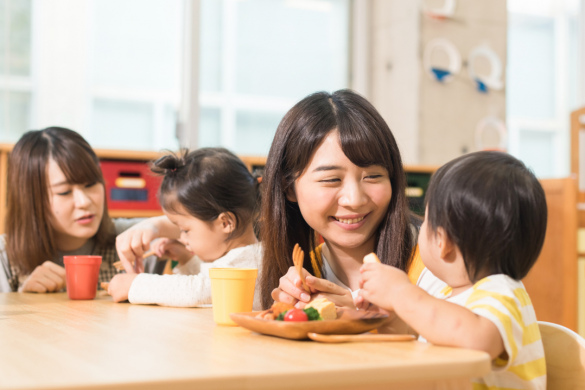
[
  {"x": 29, "y": 233},
  {"x": 366, "y": 140}
]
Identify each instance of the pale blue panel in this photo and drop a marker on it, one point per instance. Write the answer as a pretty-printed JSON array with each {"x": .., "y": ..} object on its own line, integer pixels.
[
  {"x": 15, "y": 113},
  {"x": 537, "y": 152},
  {"x": 137, "y": 44},
  {"x": 209, "y": 127},
  {"x": 255, "y": 131},
  {"x": 290, "y": 49},
  {"x": 211, "y": 43},
  {"x": 17, "y": 15},
  {"x": 531, "y": 72},
  {"x": 122, "y": 125}
]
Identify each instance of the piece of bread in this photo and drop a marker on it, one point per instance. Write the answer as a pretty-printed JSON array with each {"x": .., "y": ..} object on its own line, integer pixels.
[
  {"x": 325, "y": 307},
  {"x": 371, "y": 258}
]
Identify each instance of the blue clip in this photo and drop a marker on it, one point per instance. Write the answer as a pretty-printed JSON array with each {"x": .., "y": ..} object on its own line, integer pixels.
[
  {"x": 440, "y": 74},
  {"x": 481, "y": 87}
]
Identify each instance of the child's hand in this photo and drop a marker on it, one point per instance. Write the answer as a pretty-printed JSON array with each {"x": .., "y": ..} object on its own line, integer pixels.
[
  {"x": 380, "y": 284},
  {"x": 120, "y": 286},
  {"x": 167, "y": 248},
  {"x": 133, "y": 243}
]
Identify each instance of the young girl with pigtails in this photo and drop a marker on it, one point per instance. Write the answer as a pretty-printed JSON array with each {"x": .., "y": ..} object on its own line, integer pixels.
[{"x": 210, "y": 202}]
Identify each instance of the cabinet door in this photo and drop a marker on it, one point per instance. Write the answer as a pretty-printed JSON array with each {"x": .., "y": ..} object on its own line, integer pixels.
[{"x": 552, "y": 282}]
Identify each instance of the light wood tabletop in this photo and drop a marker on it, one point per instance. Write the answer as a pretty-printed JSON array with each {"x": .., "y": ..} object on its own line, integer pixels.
[{"x": 50, "y": 342}]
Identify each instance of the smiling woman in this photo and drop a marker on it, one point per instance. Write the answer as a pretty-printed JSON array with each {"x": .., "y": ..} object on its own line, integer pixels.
[
  {"x": 334, "y": 170},
  {"x": 56, "y": 207}
]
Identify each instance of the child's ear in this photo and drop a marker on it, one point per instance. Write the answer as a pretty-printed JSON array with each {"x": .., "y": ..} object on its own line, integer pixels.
[
  {"x": 291, "y": 195},
  {"x": 447, "y": 248},
  {"x": 227, "y": 222}
]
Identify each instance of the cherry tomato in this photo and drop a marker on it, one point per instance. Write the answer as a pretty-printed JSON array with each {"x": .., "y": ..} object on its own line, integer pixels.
[{"x": 296, "y": 315}]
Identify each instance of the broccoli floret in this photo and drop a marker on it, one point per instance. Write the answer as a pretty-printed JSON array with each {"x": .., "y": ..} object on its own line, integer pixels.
[{"x": 312, "y": 314}]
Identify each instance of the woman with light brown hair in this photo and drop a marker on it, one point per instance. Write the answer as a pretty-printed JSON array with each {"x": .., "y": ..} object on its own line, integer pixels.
[{"x": 56, "y": 207}]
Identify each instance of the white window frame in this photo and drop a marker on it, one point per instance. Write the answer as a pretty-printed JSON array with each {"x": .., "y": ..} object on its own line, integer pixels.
[
  {"x": 559, "y": 126},
  {"x": 228, "y": 102}
]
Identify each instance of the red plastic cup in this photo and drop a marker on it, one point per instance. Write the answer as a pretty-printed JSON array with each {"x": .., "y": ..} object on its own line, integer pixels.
[{"x": 82, "y": 276}]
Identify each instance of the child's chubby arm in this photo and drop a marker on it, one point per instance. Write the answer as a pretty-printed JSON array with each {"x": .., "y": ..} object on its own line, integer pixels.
[
  {"x": 438, "y": 321},
  {"x": 134, "y": 242},
  {"x": 120, "y": 286},
  {"x": 290, "y": 290}
]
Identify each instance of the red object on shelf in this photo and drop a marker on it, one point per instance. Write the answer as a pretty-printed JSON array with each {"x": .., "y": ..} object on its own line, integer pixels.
[{"x": 130, "y": 185}]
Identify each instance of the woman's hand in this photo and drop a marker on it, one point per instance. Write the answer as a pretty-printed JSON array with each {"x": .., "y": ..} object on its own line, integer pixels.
[
  {"x": 290, "y": 290},
  {"x": 47, "y": 277},
  {"x": 166, "y": 248},
  {"x": 340, "y": 296},
  {"x": 120, "y": 286}
]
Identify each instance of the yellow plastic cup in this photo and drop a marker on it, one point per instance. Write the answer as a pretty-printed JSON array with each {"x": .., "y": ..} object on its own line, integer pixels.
[{"x": 232, "y": 291}]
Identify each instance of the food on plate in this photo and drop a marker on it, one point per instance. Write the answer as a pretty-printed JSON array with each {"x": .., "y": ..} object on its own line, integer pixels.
[
  {"x": 296, "y": 315},
  {"x": 300, "y": 315},
  {"x": 317, "y": 309},
  {"x": 371, "y": 258},
  {"x": 324, "y": 307},
  {"x": 276, "y": 309}
]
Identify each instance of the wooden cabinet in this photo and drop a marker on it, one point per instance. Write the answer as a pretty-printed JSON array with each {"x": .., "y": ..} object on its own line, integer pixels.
[{"x": 553, "y": 281}]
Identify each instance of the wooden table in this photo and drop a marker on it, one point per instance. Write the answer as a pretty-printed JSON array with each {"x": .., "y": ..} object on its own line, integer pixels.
[{"x": 50, "y": 342}]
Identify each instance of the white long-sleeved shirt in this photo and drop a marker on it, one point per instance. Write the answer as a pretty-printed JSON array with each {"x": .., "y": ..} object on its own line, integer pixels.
[{"x": 190, "y": 286}]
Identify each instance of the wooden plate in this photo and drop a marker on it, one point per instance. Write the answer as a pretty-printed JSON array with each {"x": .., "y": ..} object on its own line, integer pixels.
[{"x": 347, "y": 322}]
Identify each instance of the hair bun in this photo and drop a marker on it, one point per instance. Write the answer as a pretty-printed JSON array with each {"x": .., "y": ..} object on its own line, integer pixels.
[{"x": 168, "y": 164}]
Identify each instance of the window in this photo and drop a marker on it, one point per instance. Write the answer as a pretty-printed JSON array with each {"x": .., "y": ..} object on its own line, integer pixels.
[
  {"x": 258, "y": 58},
  {"x": 542, "y": 87},
  {"x": 113, "y": 70},
  {"x": 15, "y": 68},
  {"x": 99, "y": 67}
]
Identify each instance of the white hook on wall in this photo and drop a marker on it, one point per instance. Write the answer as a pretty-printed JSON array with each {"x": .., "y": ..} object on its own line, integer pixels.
[
  {"x": 494, "y": 79},
  {"x": 446, "y": 11},
  {"x": 439, "y": 73},
  {"x": 491, "y": 123}
]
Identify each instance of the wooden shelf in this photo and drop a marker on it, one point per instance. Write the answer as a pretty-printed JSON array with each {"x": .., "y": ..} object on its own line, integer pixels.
[{"x": 134, "y": 213}]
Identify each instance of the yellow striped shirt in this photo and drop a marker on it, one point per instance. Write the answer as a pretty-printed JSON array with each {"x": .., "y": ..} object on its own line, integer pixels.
[{"x": 506, "y": 304}]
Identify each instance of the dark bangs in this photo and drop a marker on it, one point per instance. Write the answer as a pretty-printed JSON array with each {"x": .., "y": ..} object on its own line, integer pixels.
[
  {"x": 363, "y": 147},
  {"x": 350, "y": 114},
  {"x": 77, "y": 160}
]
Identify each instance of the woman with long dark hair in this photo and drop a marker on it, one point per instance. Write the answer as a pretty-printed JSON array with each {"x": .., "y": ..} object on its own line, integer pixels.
[
  {"x": 56, "y": 206},
  {"x": 334, "y": 172}
]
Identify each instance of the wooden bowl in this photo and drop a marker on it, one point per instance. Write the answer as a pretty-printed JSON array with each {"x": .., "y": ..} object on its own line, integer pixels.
[{"x": 347, "y": 322}]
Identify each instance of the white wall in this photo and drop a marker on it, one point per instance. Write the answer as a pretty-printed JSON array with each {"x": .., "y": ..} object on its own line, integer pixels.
[{"x": 433, "y": 122}]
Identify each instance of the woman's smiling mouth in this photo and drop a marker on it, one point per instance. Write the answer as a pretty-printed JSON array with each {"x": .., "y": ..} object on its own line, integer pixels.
[{"x": 350, "y": 222}]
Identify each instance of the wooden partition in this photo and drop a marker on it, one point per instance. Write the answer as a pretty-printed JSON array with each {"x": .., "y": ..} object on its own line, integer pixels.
[
  {"x": 552, "y": 283},
  {"x": 578, "y": 159}
]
